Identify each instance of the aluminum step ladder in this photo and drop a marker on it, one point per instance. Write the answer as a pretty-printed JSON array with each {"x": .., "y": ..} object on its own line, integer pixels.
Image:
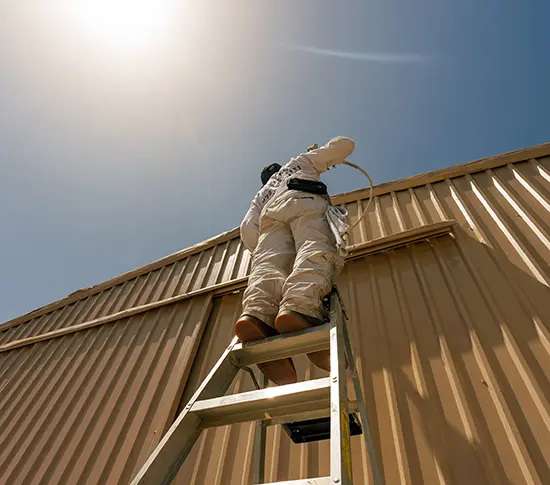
[{"x": 290, "y": 404}]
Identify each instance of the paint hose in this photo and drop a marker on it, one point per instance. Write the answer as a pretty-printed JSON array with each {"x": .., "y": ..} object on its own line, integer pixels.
[
  {"x": 337, "y": 218},
  {"x": 364, "y": 172}
]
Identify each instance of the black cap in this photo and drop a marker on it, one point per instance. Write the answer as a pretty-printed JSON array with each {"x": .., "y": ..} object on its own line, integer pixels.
[{"x": 268, "y": 171}]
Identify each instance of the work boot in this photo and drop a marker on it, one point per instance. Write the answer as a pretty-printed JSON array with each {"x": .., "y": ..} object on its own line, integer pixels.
[
  {"x": 289, "y": 321},
  {"x": 251, "y": 329}
]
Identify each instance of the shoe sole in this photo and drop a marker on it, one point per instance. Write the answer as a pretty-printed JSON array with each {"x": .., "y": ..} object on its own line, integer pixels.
[
  {"x": 249, "y": 331},
  {"x": 280, "y": 371},
  {"x": 288, "y": 323}
]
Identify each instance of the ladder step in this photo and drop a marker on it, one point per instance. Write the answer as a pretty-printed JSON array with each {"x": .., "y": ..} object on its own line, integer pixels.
[
  {"x": 307, "y": 415},
  {"x": 281, "y": 346},
  {"x": 272, "y": 402},
  {"x": 305, "y": 481}
]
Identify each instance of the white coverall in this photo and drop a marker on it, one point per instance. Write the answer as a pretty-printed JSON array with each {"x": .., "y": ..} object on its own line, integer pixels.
[{"x": 294, "y": 254}]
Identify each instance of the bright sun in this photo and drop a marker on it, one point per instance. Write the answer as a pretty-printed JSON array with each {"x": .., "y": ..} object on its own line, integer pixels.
[{"x": 124, "y": 27}]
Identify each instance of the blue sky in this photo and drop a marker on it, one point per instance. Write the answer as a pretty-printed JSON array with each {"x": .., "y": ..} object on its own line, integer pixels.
[{"x": 109, "y": 160}]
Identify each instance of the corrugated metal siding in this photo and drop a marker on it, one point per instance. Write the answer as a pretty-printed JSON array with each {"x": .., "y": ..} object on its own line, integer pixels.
[
  {"x": 90, "y": 406},
  {"x": 448, "y": 364},
  {"x": 452, "y": 339}
]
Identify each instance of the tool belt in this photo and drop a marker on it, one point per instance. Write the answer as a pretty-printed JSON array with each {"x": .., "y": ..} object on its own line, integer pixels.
[{"x": 309, "y": 186}]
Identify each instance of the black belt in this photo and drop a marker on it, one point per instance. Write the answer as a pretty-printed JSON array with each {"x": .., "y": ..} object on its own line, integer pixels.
[{"x": 309, "y": 186}]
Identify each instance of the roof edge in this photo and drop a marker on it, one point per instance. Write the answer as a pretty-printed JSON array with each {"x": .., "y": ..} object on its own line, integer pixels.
[
  {"x": 440, "y": 174},
  {"x": 91, "y": 290},
  {"x": 523, "y": 154}
]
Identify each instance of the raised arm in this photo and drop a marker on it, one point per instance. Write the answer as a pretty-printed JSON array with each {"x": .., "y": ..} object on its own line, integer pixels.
[{"x": 333, "y": 153}]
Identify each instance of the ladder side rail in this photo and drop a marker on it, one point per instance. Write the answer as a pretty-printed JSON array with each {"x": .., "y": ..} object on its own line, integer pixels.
[
  {"x": 258, "y": 462},
  {"x": 340, "y": 450},
  {"x": 163, "y": 464}
]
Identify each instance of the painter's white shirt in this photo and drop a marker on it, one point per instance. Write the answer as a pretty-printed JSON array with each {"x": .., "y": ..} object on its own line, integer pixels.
[{"x": 307, "y": 166}]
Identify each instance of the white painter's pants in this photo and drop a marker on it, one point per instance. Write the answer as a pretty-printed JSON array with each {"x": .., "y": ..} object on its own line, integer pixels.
[{"x": 295, "y": 261}]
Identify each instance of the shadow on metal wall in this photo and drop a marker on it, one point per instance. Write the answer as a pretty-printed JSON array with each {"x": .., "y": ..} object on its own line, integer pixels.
[{"x": 453, "y": 336}]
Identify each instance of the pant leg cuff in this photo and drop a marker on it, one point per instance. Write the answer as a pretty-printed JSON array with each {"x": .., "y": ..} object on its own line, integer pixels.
[{"x": 305, "y": 311}]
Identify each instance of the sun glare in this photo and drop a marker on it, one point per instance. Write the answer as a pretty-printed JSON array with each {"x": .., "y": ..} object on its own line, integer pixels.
[{"x": 124, "y": 27}]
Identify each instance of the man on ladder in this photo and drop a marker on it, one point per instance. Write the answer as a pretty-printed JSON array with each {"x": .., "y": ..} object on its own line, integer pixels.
[
  {"x": 294, "y": 255},
  {"x": 295, "y": 260}
]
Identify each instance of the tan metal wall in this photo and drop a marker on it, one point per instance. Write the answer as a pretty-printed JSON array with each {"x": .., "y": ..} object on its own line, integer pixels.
[
  {"x": 90, "y": 406},
  {"x": 452, "y": 339}
]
